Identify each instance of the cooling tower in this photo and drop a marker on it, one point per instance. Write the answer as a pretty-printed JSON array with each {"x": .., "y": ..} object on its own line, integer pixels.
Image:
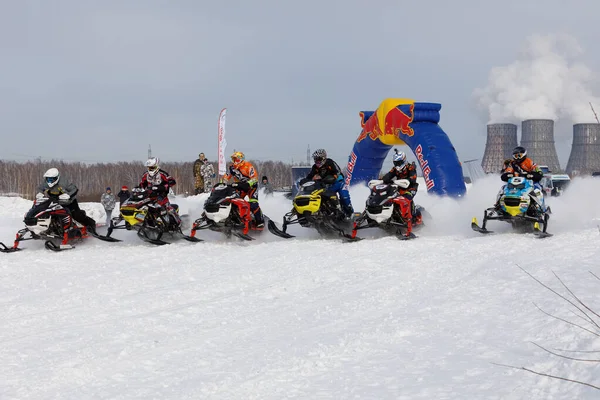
[
  {"x": 585, "y": 151},
  {"x": 501, "y": 140},
  {"x": 537, "y": 136}
]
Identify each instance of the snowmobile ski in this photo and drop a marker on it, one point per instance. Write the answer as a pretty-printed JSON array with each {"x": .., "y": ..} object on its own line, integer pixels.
[
  {"x": 276, "y": 231},
  {"x": 191, "y": 239},
  {"x": 51, "y": 246},
  {"x": 477, "y": 228},
  {"x": 5, "y": 249},
  {"x": 105, "y": 238},
  {"x": 539, "y": 233},
  {"x": 410, "y": 236},
  {"x": 242, "y": 235},
  {"x": 341, "y": 232},
  {"x": 145, "y": 238}
]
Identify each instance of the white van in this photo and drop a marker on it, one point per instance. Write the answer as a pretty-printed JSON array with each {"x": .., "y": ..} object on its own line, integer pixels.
[{"x": 553, "y": 184}]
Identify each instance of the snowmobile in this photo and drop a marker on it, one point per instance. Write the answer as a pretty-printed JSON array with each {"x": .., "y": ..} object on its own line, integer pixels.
[
  {"x": 315, "y": 207},
  {"x": 48, "y": 220},
  {"x": 387, "y": 209},
  {"x": 227, "y": 212},
  {"x": 520, "y": 204},
  {"x": 142, "y": 213}
]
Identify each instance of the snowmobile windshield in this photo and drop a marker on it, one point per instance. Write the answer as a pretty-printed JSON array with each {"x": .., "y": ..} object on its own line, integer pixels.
[
  {"x": 311, "y": 186},
  {"x": 220, "y": 191},
  {"x": 517, "y": 186}
]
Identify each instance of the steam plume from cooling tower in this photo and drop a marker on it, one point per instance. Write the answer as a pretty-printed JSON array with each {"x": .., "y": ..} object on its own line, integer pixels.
[{"x": 546, "y": 81}]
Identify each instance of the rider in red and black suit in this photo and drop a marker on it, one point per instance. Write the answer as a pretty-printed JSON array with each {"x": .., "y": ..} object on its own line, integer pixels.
[
  {"x": 404, "y": 170},
  {"x": 159, "y": 182}
]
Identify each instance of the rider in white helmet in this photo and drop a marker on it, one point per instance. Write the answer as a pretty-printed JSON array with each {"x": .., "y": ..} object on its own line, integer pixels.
[
  {"x": 404, "y": 170},
  {"x": 55, "y": 185},
  {"x": 158, "y": 181}
]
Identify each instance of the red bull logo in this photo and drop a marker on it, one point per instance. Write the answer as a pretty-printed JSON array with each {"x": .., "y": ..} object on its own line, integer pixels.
[
  {"x": 424, "y": 167},
  {"x": 397, "y": 121}
]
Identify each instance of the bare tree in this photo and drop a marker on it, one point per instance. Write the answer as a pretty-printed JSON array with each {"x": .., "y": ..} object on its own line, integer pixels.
[
  {"x": 589, "y": 323},
  {"x": 92, "y": 179}
]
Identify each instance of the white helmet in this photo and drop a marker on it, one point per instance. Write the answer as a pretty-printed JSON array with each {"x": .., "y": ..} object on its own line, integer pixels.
[
  {"x": 52, "y": 176},
  {"x": 153, "y": 166}
]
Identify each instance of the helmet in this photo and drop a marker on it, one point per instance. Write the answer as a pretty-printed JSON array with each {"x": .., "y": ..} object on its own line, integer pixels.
[
  {"x": 153, "y": 166},
  {"x": 319, "y": 156},
  {"x": 519, "y": 153},
  {"x": 399, "y": 159},
  {"x": 52, "y": 176},
  {"x": 237, "y": 158}
]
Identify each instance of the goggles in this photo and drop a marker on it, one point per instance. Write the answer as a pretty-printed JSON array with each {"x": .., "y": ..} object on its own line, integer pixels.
[
  {"x": 51, "y": 179},
  {"x": 518, "y": 156},
  {"x": 152, "y": 169}
]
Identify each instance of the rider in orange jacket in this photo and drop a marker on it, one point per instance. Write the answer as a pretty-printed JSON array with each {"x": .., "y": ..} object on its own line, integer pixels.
[
  {"x": 246, "y": 182},
  {"x": 521, "y": 165}
]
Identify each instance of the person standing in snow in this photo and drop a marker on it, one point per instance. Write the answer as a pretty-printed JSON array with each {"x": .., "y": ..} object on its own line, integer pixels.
[
  {"x": 124, "y": 194},
  {"x": 198, "y": 178},
  {"x": 266, "y": 186},
  {"x": 108, "y": 201},
  {"x": 208, "y": 174}
]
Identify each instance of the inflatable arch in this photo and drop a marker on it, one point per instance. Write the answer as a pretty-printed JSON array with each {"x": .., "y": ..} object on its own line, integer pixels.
[{"x": 404, "y": 121}]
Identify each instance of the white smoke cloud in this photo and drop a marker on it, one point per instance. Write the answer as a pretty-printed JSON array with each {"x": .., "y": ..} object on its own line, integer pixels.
[{"x": 546, "y": 81}]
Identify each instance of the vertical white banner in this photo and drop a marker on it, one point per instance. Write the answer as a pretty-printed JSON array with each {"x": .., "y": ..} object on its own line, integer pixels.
[{"x": 222, "y": 142}]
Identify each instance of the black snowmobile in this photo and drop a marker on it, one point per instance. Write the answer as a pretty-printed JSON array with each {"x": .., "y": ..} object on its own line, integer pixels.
[
  {"x": 48, "y": 220},
  {"x": 142, "y": 213}
]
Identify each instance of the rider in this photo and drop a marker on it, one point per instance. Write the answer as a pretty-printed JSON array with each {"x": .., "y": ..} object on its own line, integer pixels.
[
  {"x": 55, "y": 185},
  {"x": 404, "y": 170},
  {"x": 246, "y": 182},
  {"x": 330, "y": 173},
  {"x": 521, "y": 165},
  {"x": 159, "y": 181}
]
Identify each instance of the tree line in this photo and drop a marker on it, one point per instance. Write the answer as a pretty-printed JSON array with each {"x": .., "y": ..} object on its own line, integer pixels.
[{"x": 23, "y": 178}]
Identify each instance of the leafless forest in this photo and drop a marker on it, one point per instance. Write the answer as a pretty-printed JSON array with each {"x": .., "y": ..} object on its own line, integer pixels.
[{"x": 92, "y": 179}]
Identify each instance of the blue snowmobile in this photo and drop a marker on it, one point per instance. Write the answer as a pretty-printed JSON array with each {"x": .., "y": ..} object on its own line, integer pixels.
[{"x": 522, "y": 205}]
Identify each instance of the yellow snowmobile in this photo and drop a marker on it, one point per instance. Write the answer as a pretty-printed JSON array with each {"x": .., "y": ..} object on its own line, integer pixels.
[{"x": 315, "y": 207}]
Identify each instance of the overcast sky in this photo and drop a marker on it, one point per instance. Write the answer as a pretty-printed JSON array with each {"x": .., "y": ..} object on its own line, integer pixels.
[{"x": 101, "y": 80}]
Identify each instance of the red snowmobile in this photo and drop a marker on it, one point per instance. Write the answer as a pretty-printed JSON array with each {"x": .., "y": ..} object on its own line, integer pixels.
[
  {"x": 227, "y": 212},
  {"x": 387, "y": 209}
]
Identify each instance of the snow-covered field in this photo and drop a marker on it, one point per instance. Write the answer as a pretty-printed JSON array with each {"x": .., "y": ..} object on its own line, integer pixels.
[{"x": 304, "y": 318}]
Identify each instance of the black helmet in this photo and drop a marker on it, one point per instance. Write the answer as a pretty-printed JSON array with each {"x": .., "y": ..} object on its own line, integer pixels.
[{"x": 519, "y": 153}]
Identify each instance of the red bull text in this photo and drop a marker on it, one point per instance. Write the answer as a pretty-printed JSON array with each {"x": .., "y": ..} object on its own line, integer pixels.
[
  {"x": 350, "y": 168},
  {"x": 424, "y": 167}
]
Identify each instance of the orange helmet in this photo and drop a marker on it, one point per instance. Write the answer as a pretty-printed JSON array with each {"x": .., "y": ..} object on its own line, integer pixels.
[{"x": 237, "y": 158}]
